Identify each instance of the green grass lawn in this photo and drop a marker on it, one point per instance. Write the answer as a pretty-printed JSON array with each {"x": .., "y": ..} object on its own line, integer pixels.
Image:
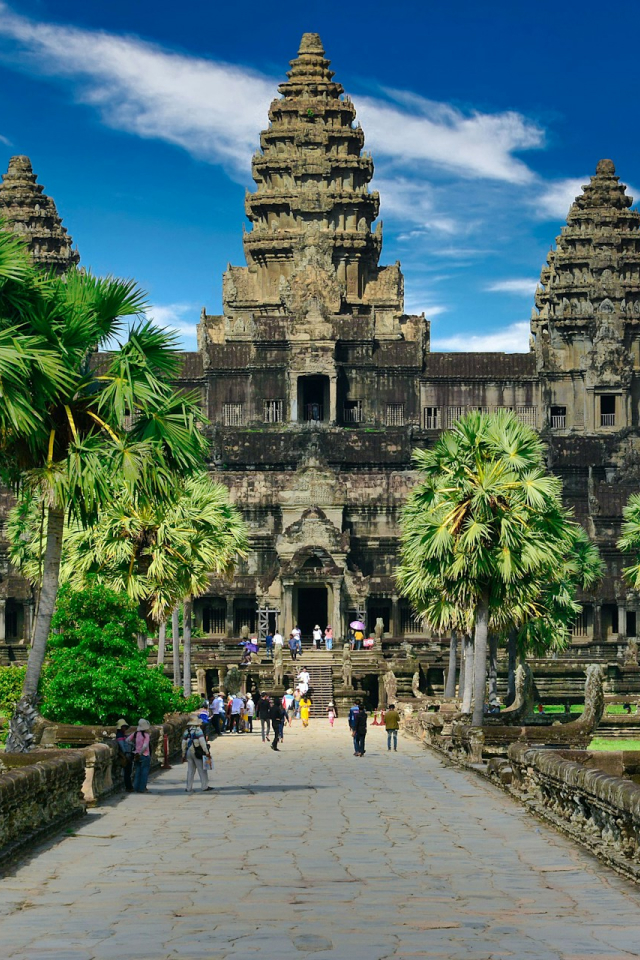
[{"x": 601, "y": 743}]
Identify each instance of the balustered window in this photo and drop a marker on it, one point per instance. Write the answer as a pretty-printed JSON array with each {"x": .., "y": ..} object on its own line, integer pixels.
[
  {"x": 608, "y": 410},
  {"x": 233, "y": 414},
  {"x": 526, "y": 415},
  {"x": 432, "y": 419},
  {"x": 352, "y": 411},
  {"x": 558, "y": 417},
  {"x": 454, "y": 414},
  {"x": 272, "y": 411},
  {"x": 395, "y": 414}
]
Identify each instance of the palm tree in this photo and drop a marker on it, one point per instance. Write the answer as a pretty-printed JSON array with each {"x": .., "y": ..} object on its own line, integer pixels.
[
  {"x": 629, "y": 542},
  {"x": 78, "y": 436},
  {"x": 485, "y": 518}
]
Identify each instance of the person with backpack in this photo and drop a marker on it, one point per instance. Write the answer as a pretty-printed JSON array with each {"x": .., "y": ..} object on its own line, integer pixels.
[
  {"x": 277, "y": 715},
  {"x": 263, "y": 710},
  {"x": 125, "y": 754},
  {"x": 141, "y": 741},
  {"x": 353, "y": 719},
  {"x": 195, "y": 750},
  {"x": 360, "y": 731}
]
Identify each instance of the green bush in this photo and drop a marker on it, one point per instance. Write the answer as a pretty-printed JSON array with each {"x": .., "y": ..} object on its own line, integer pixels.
[
  {"x": 96, "y": 672},
  {"x": 11, "y": 680}
]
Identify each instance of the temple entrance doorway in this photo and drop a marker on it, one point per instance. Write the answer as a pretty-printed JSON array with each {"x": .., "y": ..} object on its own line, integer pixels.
[
  {"x": 313, "y": 398},
  {"x": 311, "y": 609}
]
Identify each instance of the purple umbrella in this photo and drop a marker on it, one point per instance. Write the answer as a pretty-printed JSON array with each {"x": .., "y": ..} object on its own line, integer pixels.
[
  {"x": 251, "y": 647},
  {"x": 357, "y": 625}
]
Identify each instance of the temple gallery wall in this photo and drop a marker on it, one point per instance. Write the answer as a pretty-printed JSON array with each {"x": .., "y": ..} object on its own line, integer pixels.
[{"x": 319, "y": 386}]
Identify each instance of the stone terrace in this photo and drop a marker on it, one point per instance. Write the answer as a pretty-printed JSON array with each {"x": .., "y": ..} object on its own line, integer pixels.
[{"x": 316, "y": 853}]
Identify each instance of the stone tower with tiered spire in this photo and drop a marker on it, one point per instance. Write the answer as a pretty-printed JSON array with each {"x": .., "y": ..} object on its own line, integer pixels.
[
  {"x": 587, "y": 310},
  {"x": 34, "y": 217}
]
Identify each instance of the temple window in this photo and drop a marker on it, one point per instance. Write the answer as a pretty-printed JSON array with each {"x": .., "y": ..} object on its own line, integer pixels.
[
  {"x": 233, "y": 414},
  {"x": 558, "y": 417},
  {"x": 272, "y": 411},
  {"x": 631, "y": 623},
  {"x": 583, "y": 624},
  {"x": 395, "y": 414},
  {"x": 352, "y": 412},
  {"x": 454, "y": 414},
  {"x": 244, "y": 615},
  {"x": 313, "y": 398},
  {"x": 526, "y": 415},
  {"x": 431, "y": 418},
  {"x": 214, "y": 616},
  {"x": 608, "y": 410}
]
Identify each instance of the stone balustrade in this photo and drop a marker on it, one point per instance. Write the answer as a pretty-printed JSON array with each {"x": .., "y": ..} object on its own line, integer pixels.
[{"x": 42, "y": 790}]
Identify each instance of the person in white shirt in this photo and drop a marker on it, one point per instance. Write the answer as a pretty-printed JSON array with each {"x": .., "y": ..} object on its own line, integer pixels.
[
  {"x": 195, "y": 750},
  {"x": 317, "y": 636},
  {"x": 236, "y": 709},
  {"x": 251, "y": 711},
  {"x": 217, "y": 712},
  {"x": 278, "y": 639},
  {"x": 303, "y": 679}
]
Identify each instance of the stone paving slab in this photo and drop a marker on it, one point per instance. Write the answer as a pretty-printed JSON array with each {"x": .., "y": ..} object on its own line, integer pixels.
[{"x": 315, "y": 853}]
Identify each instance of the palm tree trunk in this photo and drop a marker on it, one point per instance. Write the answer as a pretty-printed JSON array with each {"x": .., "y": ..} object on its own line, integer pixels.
[
  {"x": 175, "y": 634},
  {"x": 162, "y": 643},
  {"x": 46, "y": 606},
  {"x": 480, "y": 663},
  {"x": 469, "y": 658},
  {"x": 493, "y": 666},
  {"x": 21, "y": 725},
  {"x": 450, "y": 689},
  {"x": 512, "y": 650},
  {"x": 187, "y": 613},
  {"x": 461, "y": 680}
]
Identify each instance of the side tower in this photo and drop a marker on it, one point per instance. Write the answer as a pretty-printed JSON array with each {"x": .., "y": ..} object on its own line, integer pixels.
[
  {"x": 30, "y": 213},
  {"x": 312, "y": 371},
  {"x": 586, "y": 337}
]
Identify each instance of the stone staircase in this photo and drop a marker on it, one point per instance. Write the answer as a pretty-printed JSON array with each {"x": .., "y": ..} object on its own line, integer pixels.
[{"x": 320, "y": 666}]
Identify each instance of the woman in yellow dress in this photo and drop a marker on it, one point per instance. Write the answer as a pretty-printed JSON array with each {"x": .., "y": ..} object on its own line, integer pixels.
[{"x": 305, "y": 707}]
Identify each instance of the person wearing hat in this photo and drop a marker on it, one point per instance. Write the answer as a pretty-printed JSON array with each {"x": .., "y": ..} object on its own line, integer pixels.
[
  {"x": 288, "y": 702},
  {"x": 317, "y": 636},
  {"x": 195, "y": 750},
  {"x": 125, "y": 753},
  {"x": 332, "y": 713},
  {"x": 141, "y": 741}
]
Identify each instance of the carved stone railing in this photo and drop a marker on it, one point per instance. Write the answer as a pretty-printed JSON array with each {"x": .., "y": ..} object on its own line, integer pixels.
[
  {"x": 599, "y": 810},
  {"x": 39, "y": 797}
]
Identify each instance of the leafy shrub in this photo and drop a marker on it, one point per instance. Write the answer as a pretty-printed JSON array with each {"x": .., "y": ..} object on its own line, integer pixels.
[
  {"x": 97, "y": 674},
  {"x": 11, "y": 680}
]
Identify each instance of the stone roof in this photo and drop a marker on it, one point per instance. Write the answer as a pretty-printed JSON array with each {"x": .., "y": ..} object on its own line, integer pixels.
[
  {"x": 31, "y": 214},
  {"x": 480, "y": 366}
]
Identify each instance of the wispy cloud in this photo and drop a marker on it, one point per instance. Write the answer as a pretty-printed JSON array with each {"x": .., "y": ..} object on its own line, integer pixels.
[
  {"x": 555, "y": 199},
  {"x": 175, "y": 316},
  {"x": 215, "y": 110},
  {"x": 523, "y": 287},
  {"x": 511, "y": 339}
]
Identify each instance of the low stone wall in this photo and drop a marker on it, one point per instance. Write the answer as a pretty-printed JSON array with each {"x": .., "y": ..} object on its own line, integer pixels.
[
  {"x": 39, "y": 797},
  {"x": 42, "y": 790},
  {"x": 599, "y": 810}
]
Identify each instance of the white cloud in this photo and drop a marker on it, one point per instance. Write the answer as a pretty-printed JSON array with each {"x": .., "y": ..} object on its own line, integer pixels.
[
  {"x": 215, "y": 110},
  {"x": 174, "y": 317},
  {"x": 5, "y": 140},
  {"x": 554, "y": 202},
  {"x": 524, "y": 287},
  {"x": 511, "y": 339}
]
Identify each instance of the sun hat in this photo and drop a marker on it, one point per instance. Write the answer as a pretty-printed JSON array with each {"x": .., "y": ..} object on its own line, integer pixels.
[
  {"x": 121, "y": 723},
  {"x": 143, "y": 725},
  {"x": 195, "y": 720},
  {"x": 289, "y": 690}
]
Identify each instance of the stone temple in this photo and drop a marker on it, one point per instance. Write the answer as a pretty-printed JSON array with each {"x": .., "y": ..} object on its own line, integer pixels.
[{"x": 319, "y": 386}]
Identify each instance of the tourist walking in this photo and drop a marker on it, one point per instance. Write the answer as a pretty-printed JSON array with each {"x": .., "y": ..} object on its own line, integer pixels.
[
  {"x": 217, "y": 713},
  {"x": 293, "y": 646},
  {"x": 288, "y": 703},
  {"x": 305, "y": 708},
  {"x": 195, "y": 750},
  {"x": 392, "y": 724},
  {"x": 263, "y": 711},
  {"x": 141, "y": 741},
  {"x": 251, "y": 711},
  {"x": 328, "y": 638},
  {"x": 317, "y": 636},
  {"x": 278, "y": 640},
  {"x": 237, "y": 703},
  {"x": 268, "y": 642},
  {"x": 353, "y": 716},
  {"x": 126, "y": 753},
  {"x": 303, "y": 679},
  {"x": 331, "y": 712},
  {"x": 276, "y": 715},
  {"x": 297, "y": 632},
  {"x": 360, "y": 732}
]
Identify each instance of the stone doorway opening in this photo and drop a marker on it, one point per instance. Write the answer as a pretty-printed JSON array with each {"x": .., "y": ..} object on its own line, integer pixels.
[
  {"x": 312, "y": 608},
  {"x": 313, "y": 398}
]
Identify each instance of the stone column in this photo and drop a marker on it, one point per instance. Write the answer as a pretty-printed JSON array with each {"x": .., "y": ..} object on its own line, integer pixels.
[
  {"x": 229, "y": 624},
  {"x": 28, "y": 621},
  {"x": 287, "y": 624},
  {"x": 622, "y": 619},
  {"x": 293, "y": 398},
  {"x": 394, "y": 626},
  {"x": 3, "y": 629},
  {"x": 333, "y": 399},
  {"x": 336, "y": 612},
  {"x": 597, "y": 623}
]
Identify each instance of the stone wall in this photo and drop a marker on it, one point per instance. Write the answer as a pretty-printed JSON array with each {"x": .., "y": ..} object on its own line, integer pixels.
[
  {"x": 599, "y": 810},
  {"x": 39, "y": 797}
]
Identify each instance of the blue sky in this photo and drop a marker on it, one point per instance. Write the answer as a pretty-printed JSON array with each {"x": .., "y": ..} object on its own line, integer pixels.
[{"x": 483, "y": 119}]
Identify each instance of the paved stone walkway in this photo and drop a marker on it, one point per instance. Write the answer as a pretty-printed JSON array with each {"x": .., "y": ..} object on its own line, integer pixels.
[{"x": 312, "y": 852}]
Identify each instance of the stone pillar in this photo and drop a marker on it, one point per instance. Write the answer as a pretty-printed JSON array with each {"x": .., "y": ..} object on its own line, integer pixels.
[
  {"x": 229, "y": 624},
  {"x": 622, "y": 619},
  {"x": 336, "y": 612},
  {"x": 287, "y": 624},
  {"x": 293, "y": 399},
  {"x": 27, "y": 627},
  {"x": 333, "y": 399},
  {"x": 597, "y": 623},
  {"x": 3, "y": 628},
  {"x": 394, "y": 626}
]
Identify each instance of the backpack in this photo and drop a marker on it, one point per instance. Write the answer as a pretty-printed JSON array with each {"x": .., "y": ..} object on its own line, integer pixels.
[{"x": 191, "y": 742}]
